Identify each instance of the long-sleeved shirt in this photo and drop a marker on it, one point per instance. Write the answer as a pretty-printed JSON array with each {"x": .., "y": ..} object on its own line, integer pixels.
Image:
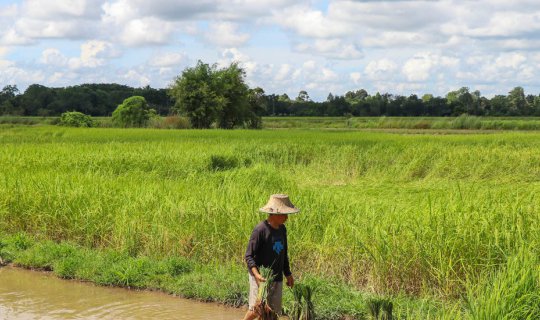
[{"x": 267, "y": 247}]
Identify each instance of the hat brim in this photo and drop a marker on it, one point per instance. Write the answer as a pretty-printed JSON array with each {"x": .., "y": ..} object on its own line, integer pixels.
[{"x": 288, "y": 211}]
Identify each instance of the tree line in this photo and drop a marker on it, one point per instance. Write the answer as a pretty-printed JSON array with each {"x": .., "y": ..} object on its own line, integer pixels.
[{"x": 208, "y": 95}]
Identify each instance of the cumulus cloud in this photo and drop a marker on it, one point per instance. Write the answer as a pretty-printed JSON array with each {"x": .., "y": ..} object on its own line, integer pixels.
[
  {"x": 332, "y": 48},
  {"x": 39, "y": 9},
  {"x": 136, "y": 78},
  {"x": 169, "y": 59},
  {"x": 53, "y": 57},
  {"x": 380, "y": 69},
  {"x": 93, "y": 54},
  {"x": 226, "y": 34},
  {"x": 284, "y": 45},
  {"x": 420, "y": 66},
  {"x": 311, "y": 23},
  {"x": 13, "y": 74}
]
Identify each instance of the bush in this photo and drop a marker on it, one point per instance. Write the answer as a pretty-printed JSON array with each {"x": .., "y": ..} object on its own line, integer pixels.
[
  {"x": 75, "y": 119},
  {"x": 133, "y": 112},
  {"x": 170, "y": 122}
]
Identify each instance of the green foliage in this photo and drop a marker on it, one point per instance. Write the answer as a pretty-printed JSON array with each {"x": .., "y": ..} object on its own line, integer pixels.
[
  {"x": 302, "y": 306},
  {"x": 75, "y": 119},
  {"x": 511, "y": 292},
  {"x": 208, "y": 95},
  {"x": 133, "y": 112},
  {"x": 380, "y": 308},
  {"x": 447, "y": 207}
]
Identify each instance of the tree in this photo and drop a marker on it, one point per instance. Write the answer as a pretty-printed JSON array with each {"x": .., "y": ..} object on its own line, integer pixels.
[
  {"x": 303, "y": 96},
  {"x": 133, "y": 112},
  {"x": 7, "y": 99},
  {"x": 195, "y": 95},
  {"x": 207, "y": 95},
  {"x": 517, "y": 101},
  {"x": 231, "y": 87}
]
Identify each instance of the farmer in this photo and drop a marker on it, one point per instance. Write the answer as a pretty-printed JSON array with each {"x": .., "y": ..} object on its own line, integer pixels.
[{"x": 267, "y": 247}]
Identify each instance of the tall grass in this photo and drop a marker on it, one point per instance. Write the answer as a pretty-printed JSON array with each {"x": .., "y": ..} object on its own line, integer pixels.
[
  {"x": 423, "y": 215},
  {"x": 462, "y": 122}
]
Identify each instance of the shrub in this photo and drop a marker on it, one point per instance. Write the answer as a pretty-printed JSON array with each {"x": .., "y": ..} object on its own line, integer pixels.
[
  {"x": 75, "y": 119},
  {"x": 133, "y": 112},
  {"x": 170, "y": 122}
]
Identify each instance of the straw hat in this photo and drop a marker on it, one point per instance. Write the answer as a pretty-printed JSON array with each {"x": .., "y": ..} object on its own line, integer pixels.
[{"x": 279, "y": 204}]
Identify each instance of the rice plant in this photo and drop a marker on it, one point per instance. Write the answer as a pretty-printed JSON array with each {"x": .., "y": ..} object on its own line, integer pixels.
[
  {"x": 422, "y": 214},
  {"x": 380, "y": 309},
  {"x": 302, "y": 305},
  {"x": 262, "y": 306}
]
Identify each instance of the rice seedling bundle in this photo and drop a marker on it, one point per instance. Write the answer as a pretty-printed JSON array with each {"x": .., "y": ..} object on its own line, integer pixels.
[{"x": 262, "y": 306}]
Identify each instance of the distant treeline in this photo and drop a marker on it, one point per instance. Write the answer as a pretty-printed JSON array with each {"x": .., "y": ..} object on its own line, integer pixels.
[{"x": 102, "y": 100}]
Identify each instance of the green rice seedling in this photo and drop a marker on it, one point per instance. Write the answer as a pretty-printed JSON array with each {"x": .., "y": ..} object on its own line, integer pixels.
[
  {"x": 262, "y": 307},
  {"x": 302, "y": 305},
  {"x": 380, "y": 308},
  {"x": 374, "y": 306}
]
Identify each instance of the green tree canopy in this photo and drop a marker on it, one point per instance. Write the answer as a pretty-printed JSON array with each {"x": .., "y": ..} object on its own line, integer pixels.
[
  {"x": 133, "y": 112},
  {"x": 206, "y": 94},
  {"x": 75, "y": 119}
]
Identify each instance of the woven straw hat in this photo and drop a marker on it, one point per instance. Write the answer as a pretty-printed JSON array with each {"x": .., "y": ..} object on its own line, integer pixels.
[{"x": 279, "y": 204}]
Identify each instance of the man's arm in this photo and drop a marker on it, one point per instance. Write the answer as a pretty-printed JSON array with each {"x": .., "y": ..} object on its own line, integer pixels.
[
  {"x": 286, "y": 266},
  {"x": 252, "y": 248}
]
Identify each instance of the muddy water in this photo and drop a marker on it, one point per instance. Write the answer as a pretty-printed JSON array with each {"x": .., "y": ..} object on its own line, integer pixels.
[{"x": 36, "y": 295}]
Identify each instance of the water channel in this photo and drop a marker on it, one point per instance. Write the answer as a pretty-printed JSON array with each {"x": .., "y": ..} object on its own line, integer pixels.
[{"x": 37, "y": 295}]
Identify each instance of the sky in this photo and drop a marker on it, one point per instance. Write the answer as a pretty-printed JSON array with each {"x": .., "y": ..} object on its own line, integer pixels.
[{"x": 401, "y": 47}]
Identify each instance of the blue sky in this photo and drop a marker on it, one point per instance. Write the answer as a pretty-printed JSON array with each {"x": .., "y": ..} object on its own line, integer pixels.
[{"x": 285, "y": 46}]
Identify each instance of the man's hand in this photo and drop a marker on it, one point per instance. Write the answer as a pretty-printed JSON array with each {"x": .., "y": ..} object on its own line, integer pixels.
[
  {"x": 290, "y": 281},
  {"x": 259, "y": 278},
  {"x": 257, "y": 275}
]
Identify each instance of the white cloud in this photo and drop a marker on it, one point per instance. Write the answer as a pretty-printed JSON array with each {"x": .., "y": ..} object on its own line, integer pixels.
[
  {"x": 169, "y": 59},
  {"x": 331, "y": 48},
  {"x": 146, "y": 31},
  {"x": 61, "y": 9},
  {"x": 136, "y": 78},
  {"x": 420, "y": 66},
  {"x": 355, "y": 77},
  {"x": 380, "y": 69},
  {"x": 283, "y": 73},
  {"x": 510, "y": 60},
  {"x": 53, "y": 57},
  {"x": 94, "y": 53},
  {"x": 225, "y": 34},
  {"x": 311, "y": 23},
  {"x": 12, "y": 74}
]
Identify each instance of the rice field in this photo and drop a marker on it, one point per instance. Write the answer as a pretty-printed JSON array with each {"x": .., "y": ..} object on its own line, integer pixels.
[{"x": 454, "y": 218}]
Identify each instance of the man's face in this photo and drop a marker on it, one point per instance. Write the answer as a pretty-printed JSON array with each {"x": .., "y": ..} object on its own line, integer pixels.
[{"x": 281, "y": 218}]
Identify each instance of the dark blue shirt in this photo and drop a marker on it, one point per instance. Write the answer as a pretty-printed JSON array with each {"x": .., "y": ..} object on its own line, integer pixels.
[{"x": 267, "y": 247}]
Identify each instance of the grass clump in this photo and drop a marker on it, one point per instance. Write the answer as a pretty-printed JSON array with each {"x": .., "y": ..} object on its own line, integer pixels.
[
  {"x": 75, "y": 119},
  {"x": 380, "y": 308},
  {"x": 512, "y": 292},
  {"x": 302, "y": 307}
]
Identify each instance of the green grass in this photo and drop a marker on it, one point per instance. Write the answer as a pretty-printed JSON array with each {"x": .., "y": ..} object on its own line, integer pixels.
[
  {"x": 424, "y": 219},
  {"x": 463, "y": 122},
  {"x": 418, "y": 123}
]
